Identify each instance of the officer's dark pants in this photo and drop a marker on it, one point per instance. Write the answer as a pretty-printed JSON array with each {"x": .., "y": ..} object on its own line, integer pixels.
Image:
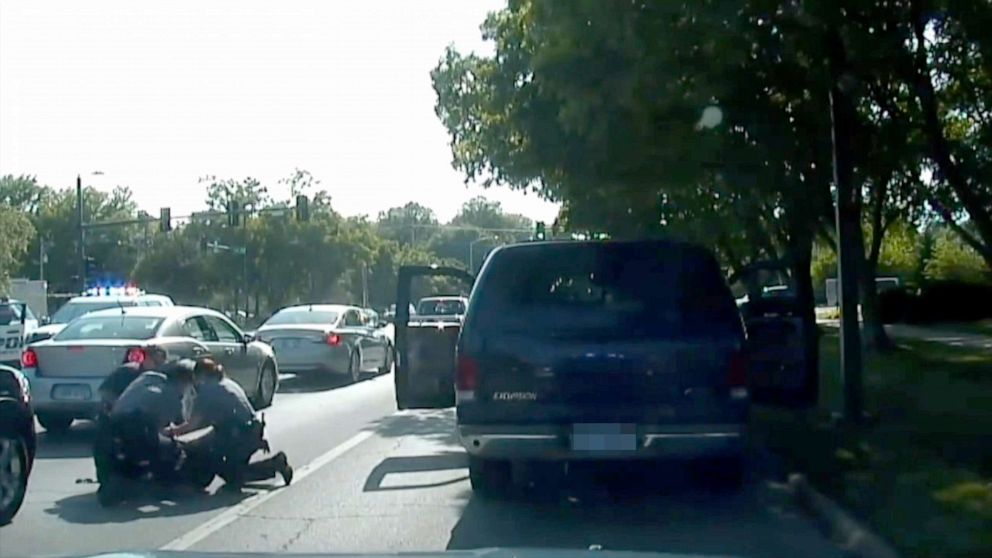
[
  {"x": 229, "y": 450},
  {"x": 132, "y": 445}
]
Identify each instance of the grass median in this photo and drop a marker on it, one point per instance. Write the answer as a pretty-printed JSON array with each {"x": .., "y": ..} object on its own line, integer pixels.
[{"x": 921, "y": 474}]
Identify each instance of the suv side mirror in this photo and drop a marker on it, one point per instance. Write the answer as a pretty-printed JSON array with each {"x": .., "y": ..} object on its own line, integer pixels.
[
  {"x": 248, "y": 338},
  {"x": 45, "y": 320}
]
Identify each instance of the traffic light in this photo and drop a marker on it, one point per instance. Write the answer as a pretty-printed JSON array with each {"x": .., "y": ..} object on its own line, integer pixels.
[
  {"x": 233, "y": 213},
  {"x": 302, "y": 208},
  {"x": 539, "y": 231},
  {"x": 165, "y": 219}
]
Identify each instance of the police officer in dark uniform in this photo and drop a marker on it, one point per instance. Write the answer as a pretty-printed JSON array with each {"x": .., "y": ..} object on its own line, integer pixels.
[
  {"x": 237, "y": 434},
  {"x": 153, "y": 401},
  {"x": 118, "y": 380}
]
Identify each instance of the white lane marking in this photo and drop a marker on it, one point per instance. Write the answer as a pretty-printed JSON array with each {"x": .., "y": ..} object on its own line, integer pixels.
[{"x": 229, "y": 516}]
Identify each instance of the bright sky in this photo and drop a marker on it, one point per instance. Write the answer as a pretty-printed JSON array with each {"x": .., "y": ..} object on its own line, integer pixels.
[{"x": 156, "y": 95}]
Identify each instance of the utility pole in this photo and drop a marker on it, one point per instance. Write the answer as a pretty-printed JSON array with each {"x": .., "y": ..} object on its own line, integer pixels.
[
  {"x": 81, "y": 234},
  {"x": 42, "y": 257},
  {"x": 842, "y": 113},
  {"x": 365, "y": 285}
]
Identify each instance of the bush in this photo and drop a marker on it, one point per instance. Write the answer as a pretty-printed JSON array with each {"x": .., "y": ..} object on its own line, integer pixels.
[
  {"x": 896, "y": 305},
  {"x": 941, "y": 301},
  {"x": 955, "y": 301}
]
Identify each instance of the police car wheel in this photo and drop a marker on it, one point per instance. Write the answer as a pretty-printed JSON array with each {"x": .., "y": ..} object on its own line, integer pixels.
[
  {"x": 13, "y": 475},
  {"x": 55, "y": 423}
]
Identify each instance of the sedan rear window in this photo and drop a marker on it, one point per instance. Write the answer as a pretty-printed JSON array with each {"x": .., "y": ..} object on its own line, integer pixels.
[
  {"x": 110, "y": 327},
  {"x": 291, "y": 317},
  {"x": 606, "y": 291}
]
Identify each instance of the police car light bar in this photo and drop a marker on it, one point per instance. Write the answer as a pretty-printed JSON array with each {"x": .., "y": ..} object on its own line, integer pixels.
[{"x": 114, "y": 289}]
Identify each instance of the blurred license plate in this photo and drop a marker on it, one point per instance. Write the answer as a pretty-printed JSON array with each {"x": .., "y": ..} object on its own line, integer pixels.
[
  {"x": 71, "y": 392},
  {"x": 604, "y": 437}
]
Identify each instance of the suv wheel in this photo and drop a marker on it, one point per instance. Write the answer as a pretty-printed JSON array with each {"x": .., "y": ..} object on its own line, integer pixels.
[
  {"x": 55, "y": 423},
  {"x": 489, "y": 477},
  {"x": 724, "y": 473}
]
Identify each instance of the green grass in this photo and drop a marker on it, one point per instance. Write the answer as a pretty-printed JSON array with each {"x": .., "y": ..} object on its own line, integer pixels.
[{"x": 920, "y": 474}]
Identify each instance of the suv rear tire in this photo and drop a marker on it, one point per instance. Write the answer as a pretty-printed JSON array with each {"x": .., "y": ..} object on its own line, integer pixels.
[
  {"x": 724, "y": 473},
  {"x": 489, "y": 477}
]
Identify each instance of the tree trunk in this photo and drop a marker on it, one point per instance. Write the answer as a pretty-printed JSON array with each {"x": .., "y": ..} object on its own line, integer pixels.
[
  {"x": 873, "y": 333},
  {"x": 801, "y": 258},
  {"x": 974, "y": 203}
]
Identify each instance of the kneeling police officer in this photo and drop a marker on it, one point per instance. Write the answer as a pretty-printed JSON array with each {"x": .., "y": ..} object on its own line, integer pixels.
[{"x": 237, "y": 434}]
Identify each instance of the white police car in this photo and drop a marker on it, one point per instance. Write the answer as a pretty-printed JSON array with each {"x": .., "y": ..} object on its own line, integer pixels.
[
  {"x": 17, "y": 323},
  {"x": 96, "y": 298}
]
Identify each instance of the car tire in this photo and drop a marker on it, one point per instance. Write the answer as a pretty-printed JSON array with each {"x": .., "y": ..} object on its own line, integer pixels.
[
  {"x": 489, "y": 477},
  {"x": 55, "y": 423},
  {"x": 355, "y": 367},
  {"x": 268, "y": 383},
  {"x": 14, "y": 471},
  {"x": 387, "y": 366}
]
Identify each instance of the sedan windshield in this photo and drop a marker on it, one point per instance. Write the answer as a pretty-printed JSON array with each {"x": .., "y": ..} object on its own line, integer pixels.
[
  {"x": 110, "y": 327},
  {"x": 298, "y": 316},
  {"x": 75, "y": 309}
]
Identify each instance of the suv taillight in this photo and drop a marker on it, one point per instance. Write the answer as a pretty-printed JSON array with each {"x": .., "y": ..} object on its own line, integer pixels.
[
  {"x": 466, "y": 378},
  {"x": 737, "y": 375},
  {"x": 29, "y": 359},
  {"x": 135, "y": 354}
]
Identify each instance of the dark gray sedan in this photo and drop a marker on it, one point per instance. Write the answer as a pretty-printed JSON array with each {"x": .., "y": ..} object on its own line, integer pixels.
[{"x": 65, "y": 372}]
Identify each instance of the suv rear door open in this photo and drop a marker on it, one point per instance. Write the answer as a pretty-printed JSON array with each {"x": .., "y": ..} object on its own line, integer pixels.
[
  {"x": 783, "y": 369},
  {"x": 425, "y": 350}
]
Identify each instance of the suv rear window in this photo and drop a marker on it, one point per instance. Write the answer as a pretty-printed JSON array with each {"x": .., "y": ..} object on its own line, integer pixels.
[{"x": 605, "y": 291}]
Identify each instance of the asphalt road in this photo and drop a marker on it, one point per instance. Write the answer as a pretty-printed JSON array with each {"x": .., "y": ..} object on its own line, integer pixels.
[{"x": 371, "y": 479}]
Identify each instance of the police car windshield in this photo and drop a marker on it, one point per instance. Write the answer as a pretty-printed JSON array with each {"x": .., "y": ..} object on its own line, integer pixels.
[
  {"x": 302, "y": 316},
  {"x": 76, "y": 308},
  {"x": 110, "y": 327}
]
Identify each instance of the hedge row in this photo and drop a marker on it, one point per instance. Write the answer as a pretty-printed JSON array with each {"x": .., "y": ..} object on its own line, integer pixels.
[{"x": 942, "y": 301}]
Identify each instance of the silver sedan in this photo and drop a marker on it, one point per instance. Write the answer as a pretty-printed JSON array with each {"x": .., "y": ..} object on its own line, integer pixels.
[
  {"x": 66, "y": 371},
  {"x": 327, "y": 338}
]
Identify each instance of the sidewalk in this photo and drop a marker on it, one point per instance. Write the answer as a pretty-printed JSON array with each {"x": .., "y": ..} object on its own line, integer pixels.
[{"x": 933, "y": 334}]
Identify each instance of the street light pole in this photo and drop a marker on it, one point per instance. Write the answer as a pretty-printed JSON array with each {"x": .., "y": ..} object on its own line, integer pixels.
[
  {"x": 842, "y": 114},
  {"x": 80, "y": 234}
]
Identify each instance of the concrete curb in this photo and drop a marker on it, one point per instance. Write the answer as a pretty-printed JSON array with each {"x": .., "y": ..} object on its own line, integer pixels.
[{"x": 853, "y": 537}]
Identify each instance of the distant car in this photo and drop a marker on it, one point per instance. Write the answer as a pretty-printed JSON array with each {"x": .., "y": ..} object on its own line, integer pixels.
[
  {"x": 601, "y": 351},
  {"x": 66, "y": 370},
  {"x": 80, "y": 305},
  {"x": 327, "y": 338},
  {"x": 17, "y": 324},
  {"x": 17, "y": 441},
  {"x": 441, "y": 307}
]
